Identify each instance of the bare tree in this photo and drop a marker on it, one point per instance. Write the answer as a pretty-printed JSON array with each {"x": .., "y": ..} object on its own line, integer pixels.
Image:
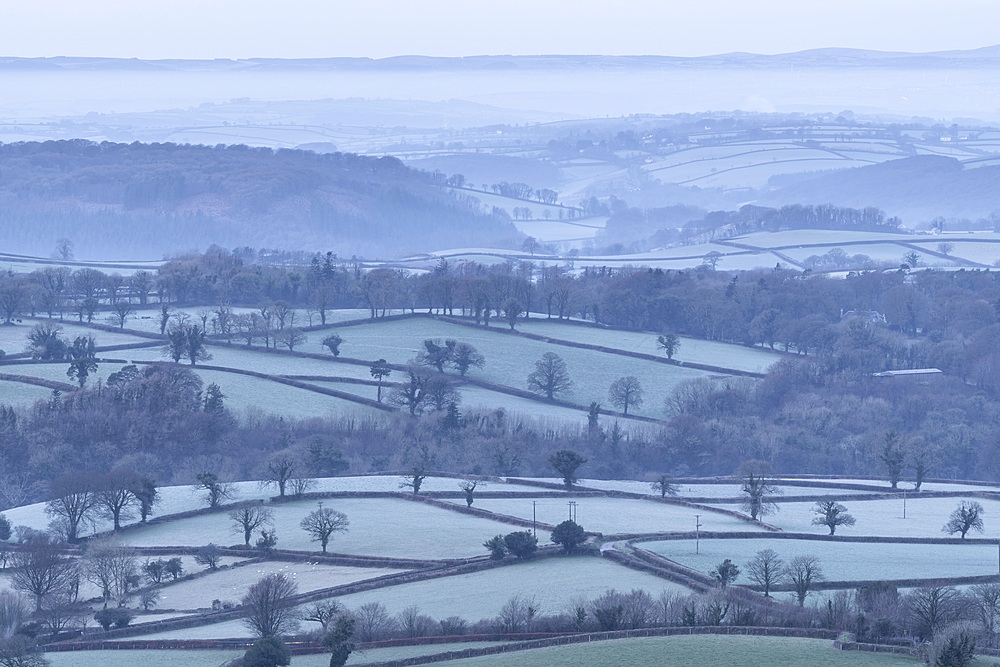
[
  {"x": 664, "y": 485},
  {"x": 269, "y": 606},
  {"x": 115, "y": 495},
  {"x": 113, "y": 568},
  {"x": 967, "y": 516},
  {"x": 626, "y": 391},
  {"x": 249, "y": 518},
  {"x": 73, "y": 501},
  {"x": 373, "y": 622},
  {"x": 758, "y": 487},
  {"x": 39, "y": 568},
  {"x": 669, "y": 343},
  {"x": 802, "y": 573},
  {"x": 280, "y": 470},
  {"x": 469, "y": 487},
  {"x": 766, "y": 569},
  {"x": 550, "y": 376},
  {"x": 465, "y": 357},
  {"x": 216, "y": 491},
  {"x": 413, "y": 392},
  {"x": 831, "y": 514},
  {"x": 892, "y": 455},
  {"x": 323, "y": 522}
]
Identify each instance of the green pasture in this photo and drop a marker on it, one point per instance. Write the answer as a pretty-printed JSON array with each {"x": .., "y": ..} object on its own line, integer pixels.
[{"x": 693, "y": 651}]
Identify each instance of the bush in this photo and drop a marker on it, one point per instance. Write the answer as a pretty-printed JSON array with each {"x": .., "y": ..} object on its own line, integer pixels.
[
  {"x": 954, "y": 646},
  {"x": 521, "y": 543},
  {"x": 569, "y": 534},
  {"x": 497, "y": 547},
  {"x": 267, "y": 651},
  {"x": 119, "y": 618}
]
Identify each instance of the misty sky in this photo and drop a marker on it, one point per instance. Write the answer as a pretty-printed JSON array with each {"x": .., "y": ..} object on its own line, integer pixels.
[{"x": 380, "y": 28}]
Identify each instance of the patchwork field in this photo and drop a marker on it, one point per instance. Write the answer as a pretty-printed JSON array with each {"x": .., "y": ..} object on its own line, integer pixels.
[{"x": 839, "y": 560}]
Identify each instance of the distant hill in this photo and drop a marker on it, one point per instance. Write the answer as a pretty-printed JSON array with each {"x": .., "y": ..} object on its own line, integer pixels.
[
  {"x": 916, "y": 189},
  {"x": 141, "y": 200}
]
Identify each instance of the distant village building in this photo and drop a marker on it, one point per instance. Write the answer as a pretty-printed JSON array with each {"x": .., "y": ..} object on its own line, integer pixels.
[{"x": 871, "y": 316}]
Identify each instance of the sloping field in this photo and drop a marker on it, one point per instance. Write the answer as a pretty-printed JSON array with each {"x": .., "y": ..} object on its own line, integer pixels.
[
  {"x": 925, "y": 517},
  {"x": 691, "y": 349},
  {"x": 691, "y": 651},
  {"x": 553, "y": 582},
  {"x": 510, "y": 359},
  {"x": 233, "y": 583},
  {"x": 840, "y": 561},
  {"x": 615, "y": 515},
  {"x": 20, "y": 394},
  {"x": 378, "y": 527},
  {"x": 710, "y": 490}
]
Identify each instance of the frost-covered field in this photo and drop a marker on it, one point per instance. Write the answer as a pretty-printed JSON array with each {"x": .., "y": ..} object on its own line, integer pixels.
[
  {"x": 707, "y": 490},
  {"x": 908, "y": 484},
  {"x": 841, "y": 561},
  {"x": 924, "y": 517},
  {"x": 510, "y": 359},
  {"x": 379, "y": 527},
  {"x": 20, "y": 394},
  {"x": 691, "y": 349},
  {"x": 554, "y": 583},
  {"x": 233, "y": 583},
  {"x": 213, "y": 658},
  {"x": 14, "y": 337},
  {"x": 615, "y": 515}
]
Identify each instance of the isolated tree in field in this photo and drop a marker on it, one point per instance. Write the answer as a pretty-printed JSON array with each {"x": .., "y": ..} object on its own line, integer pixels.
[
  {"x": 669, "y": 343},
  {"x": 911, "y": 258},
  {"x": 269, "y": 606},
  {"x": 267, "y": 651},
  {"x": 726, "y": 573},
  {"x": 766, "y": 569},
  {"x": 249, "y": 518},
  {"x": 469, "y": 486},
  {"x": 758, "y": 489},
  {"x": 664, "y": 485},
  {"x": 39, "y": 568},
  {"x": 216, "y": 491},
  {"x": 626, "y": 391},
  {"x": 380, "y": 371},
  {"x": 802, "y": 573},
  {"x": 521, "y": 543},
  {"x": 566, "y": 462},
  {"x": 323, "y": 522},
  {"x": 120, "y": 312},
  {"x": 922, "y": 460},
  {"x": 332, "y": 343},
  {"x": 831, "y": 514},
  {"x": 73, "y": 501},
  {"x": 436, "y": 354},
  {"x": 465, "y": 357},
  {"x": 550, "y": 376},
  {"x": 82, "y": 363},
  {"x": 893, "y": 456},
  {"x": 569, "y": 535},
  {"x": 967, "y": 516},
  {"x": 512, "y": 310}
]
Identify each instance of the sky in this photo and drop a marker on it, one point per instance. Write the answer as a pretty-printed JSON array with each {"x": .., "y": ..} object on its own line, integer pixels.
[{"x": 153, "y": 29}]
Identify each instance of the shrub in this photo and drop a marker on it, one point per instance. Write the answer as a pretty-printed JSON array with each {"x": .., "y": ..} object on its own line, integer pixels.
[
  {"x": 268, "y": 651},
  {"x": 119, "y": 618}
]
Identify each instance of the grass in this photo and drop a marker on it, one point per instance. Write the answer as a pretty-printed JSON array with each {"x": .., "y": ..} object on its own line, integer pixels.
[
  {"x": 233, "y": 583},
  {"x": 924, "y": 517},
  {"x": 691, "y": 651},
  {"x": 20, "y": 394},
  {"x": 214, "y": 658},
  {"x": 379, "y": 527},
  {"x": 840, "y": 560},
  {"x": 615, "y": 515},
  {"x": 554, "y": 583},
  {"x": 510, "y": 359},
  {"x": 691, "y": 349},
  {"x": 705, "y": 490}
]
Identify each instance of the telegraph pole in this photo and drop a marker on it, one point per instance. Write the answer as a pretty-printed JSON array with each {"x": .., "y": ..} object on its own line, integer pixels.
[
  {"x": 697, "y": 533},
  {"x": 533, "y": 520}
]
